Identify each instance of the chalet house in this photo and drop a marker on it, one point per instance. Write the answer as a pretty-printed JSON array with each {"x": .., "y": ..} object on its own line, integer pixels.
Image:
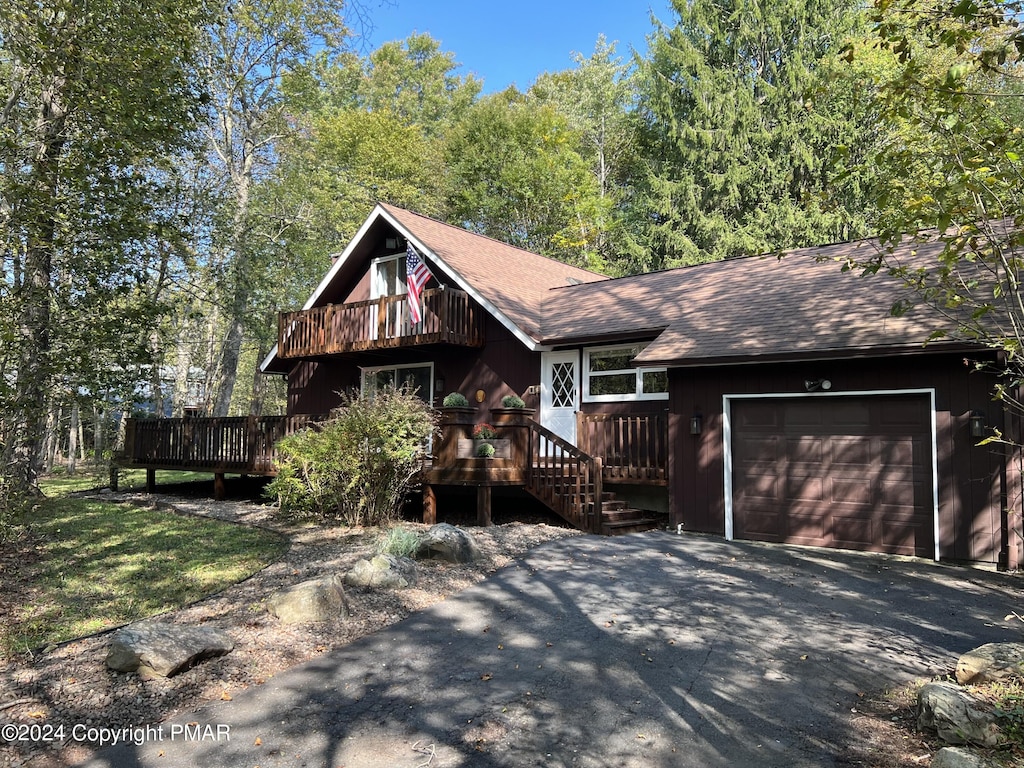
[{"x": 757, "y": 398}]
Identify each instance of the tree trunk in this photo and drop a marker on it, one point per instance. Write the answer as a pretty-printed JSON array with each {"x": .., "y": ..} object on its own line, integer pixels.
[
  {"x": 23, "y": 455},
  {"x": 98, "y": 435},
  {"x": 73, "y": 438}
]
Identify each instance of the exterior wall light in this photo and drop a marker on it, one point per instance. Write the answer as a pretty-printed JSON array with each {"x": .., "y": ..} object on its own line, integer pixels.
[
  {"x": 696, "y": 424},
  {"x": 978, "y": 428},
  {"x": 817, "y": 385}
]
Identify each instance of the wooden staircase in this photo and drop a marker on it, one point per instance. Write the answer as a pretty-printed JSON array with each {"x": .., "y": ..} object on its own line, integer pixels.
[
  {"x": 570, "y": 483},
  {"x": 618, "y": 518}
]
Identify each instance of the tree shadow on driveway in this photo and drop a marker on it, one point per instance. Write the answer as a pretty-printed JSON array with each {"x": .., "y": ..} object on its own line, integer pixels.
[{"x": 647, "y": 650}]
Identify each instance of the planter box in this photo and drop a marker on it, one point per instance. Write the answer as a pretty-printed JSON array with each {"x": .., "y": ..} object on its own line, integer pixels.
[{"x": 467, "y": 448}]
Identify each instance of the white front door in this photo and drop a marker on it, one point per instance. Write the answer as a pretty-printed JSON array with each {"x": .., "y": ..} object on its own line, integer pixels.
[{"x": 560, "y": 393}]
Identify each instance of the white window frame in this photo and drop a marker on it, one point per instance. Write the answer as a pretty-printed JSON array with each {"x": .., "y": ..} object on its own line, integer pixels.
[
  {"x": 638, "y": 391},
  {"x": 427, "y": 396},
  {"x": 377, "y": 288}
]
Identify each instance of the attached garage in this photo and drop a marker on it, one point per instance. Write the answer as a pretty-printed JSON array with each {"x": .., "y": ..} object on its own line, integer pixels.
[{"x": 847, "y": 471}]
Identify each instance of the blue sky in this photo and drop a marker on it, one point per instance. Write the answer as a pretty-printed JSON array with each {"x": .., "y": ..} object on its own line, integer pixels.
[{"x": 513, "y": 41}]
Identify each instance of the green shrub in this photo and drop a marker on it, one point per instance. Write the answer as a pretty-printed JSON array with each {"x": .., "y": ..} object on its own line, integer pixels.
[
  {"x": 399, "y": 542},
  {"x": 485, "y": 450},
  {"x": 357, "y": 467},
  {"x": 512, "y": 401},
  {"x": 455, "y": 400}
]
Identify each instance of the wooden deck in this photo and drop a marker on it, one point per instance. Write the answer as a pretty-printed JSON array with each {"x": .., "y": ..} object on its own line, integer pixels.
[
  {"x": 449, "y": 317},
  {"x": 567, "y": 478}
]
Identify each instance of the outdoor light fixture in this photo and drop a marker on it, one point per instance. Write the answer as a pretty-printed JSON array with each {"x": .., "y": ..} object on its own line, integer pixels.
[
  {"x": 391, "y": 242},
  {"x": 696, "y": 424},
  {"x": 817, "y": 385},
  {"x": 439, "y": 384},
  {"x": 978, "y": 428}
]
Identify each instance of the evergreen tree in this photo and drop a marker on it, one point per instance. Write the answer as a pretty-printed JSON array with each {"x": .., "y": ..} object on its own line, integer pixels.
[{"x": 744, "y": 124}]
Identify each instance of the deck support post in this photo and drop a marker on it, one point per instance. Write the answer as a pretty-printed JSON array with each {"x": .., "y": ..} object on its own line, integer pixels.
[
  {"x": 218, "y": 486},
  {"x": 483, "y": 505},
  {"x": 429, "y": 505},
  {"x": 150, "y": 481}
]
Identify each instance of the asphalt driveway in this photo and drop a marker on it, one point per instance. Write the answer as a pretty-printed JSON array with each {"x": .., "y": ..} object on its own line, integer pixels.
[{"x": 648, "y": 650}]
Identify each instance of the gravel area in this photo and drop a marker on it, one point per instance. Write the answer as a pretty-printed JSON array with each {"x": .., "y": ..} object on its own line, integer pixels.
[{"x": 71, "y": 684}]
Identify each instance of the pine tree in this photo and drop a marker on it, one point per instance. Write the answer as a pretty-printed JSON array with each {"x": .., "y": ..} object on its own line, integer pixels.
[{"x": 746, "y": 114}]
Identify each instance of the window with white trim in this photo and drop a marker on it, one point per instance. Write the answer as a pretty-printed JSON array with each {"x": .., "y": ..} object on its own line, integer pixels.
[
  {"x": 609, "y": 376},
  {"x": 389, "y": 276},
  {"x": 419, "y": 378}
]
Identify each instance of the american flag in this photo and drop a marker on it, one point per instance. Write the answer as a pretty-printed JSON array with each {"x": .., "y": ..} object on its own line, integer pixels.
[{"x": 417, "y": 276}]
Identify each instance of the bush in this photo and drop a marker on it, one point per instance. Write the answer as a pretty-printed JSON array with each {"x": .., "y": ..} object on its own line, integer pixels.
[
  {"x": 485, "y": 450},
  {"x": 357, "y": 467},
  {"x": 399, "y": 542},
  {"x": 512, "y": 401},
  {"x": 455, "y": 400}
]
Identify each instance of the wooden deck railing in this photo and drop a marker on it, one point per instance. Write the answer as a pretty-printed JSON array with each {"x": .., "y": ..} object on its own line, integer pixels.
[
  {"x": 228, "y": 444},
  {"x": 564, "y": 477},
  {"x": 449, "y": 317},
  {"x": 633, "y": 448}
]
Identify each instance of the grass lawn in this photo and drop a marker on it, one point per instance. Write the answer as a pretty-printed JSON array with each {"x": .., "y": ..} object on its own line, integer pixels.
[
  {"x": 86, "y": 565},
  {"x": 130, "y": 479}
]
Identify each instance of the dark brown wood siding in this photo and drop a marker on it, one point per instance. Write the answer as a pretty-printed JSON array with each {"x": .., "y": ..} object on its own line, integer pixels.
[
  {"x": 972, "y": 478},
  {"x": 503, "y": 367}
]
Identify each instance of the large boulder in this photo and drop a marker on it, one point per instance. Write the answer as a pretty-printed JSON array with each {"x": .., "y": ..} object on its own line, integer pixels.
[
  {"x": 956, "y": 716},
  {"x": 990, "y": 662},
  {"x": 382, "y": 572},
  {"x": 320, "y": 599},
  {"x": 446, "y": 542},
  {"x": 957, "y": 757},
  {"x": 161, "y": 650}
]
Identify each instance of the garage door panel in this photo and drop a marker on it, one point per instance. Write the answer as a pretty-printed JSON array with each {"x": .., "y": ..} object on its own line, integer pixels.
[
  {"x": 762, "y": 487},
  {"x": 852, "y": 472},
  {"x": 805, "y": 488},
  {"x": 853, "y": 532}
]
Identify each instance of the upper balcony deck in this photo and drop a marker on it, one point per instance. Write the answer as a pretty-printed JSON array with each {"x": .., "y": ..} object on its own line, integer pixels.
[{"x": 449, "y": 317}]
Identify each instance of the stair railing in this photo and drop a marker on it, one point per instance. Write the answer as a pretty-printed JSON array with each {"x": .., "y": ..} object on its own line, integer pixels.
[{"x": 565, "y": 478}]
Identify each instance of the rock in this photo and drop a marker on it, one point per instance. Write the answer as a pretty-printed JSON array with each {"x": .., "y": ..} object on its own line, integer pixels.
[
  {"x": 446, "y": 542},
  {"x": 383, "y": 572},
  {"x": 163, "y": 650},
  {"x": 990, "y": 662},
  {"x": 956, "y": 716},
  {"x": 320, "y": 599},
  {"x": 957, "y": 757}
]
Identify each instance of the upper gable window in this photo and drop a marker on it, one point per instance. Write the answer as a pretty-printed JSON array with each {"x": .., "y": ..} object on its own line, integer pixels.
[
  {"x": 609, "y": 376},
  {"x": 389, "y": 276}
]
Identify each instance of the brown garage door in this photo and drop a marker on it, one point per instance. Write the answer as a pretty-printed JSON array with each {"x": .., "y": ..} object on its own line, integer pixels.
[{"x": 850, "y": 472}]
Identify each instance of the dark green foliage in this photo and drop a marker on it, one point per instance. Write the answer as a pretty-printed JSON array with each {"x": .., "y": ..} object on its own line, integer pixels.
[
  {"x": 455, "y": 400},
  {"x": 745, "y": 121},
  {"x": 357, "y": 467},
  {"x": 512, "y": 401}
]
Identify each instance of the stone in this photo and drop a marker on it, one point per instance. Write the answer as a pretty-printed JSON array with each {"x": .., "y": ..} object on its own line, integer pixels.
[
  {"x": 991, "y": 662},
  {"x": 161, "y": 650},
  {"x": 446, "y": 542},
  {"x": 957, "y": 757},
  {"x": 382, "y": 572},
  {"x": 321, "y": 599},
  {"x": 956, "y": 716}
]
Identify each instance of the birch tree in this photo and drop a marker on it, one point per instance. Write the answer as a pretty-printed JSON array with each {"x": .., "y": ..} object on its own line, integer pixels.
[{"x": 92, "y": 100}]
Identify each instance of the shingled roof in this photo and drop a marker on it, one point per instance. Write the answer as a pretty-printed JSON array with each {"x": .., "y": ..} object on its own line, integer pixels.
[
  {"x": 748, "y": 309},
  {"x": 760, "y": 308},
  {"x": 514, "y": 282}
]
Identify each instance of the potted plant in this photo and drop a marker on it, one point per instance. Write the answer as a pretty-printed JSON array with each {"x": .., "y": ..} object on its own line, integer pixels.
[
  {"x": 484, "y": 431},
  {"x": 484, "y": 443},
  {"x": 513, "y": 412}
]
